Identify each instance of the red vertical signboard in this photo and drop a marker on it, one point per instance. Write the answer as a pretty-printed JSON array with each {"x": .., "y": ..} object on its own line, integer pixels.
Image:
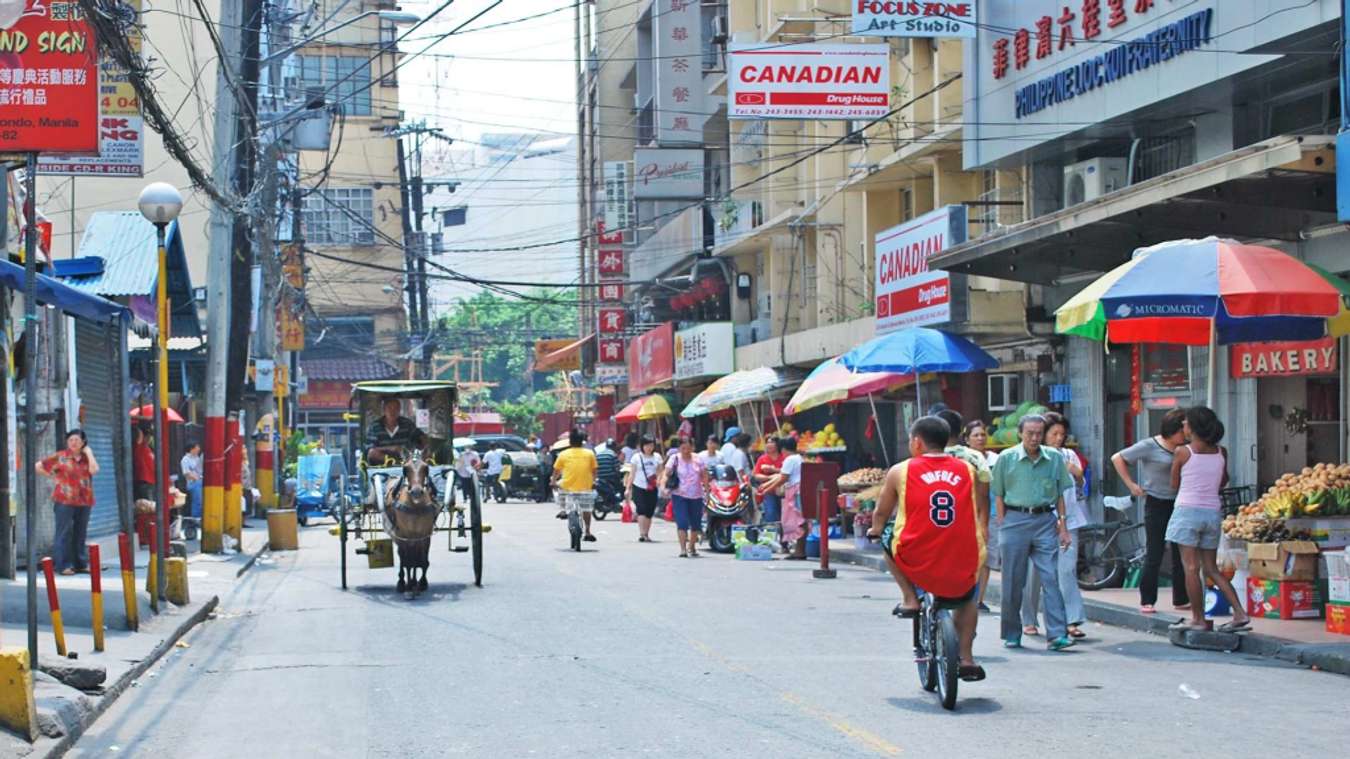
[
  {"x": 651, "y": 358},
  {"x": 49, "y": 81}
]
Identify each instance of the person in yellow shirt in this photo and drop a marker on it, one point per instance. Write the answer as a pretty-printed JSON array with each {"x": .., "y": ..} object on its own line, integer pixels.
[{"x": 574, "y": 470}]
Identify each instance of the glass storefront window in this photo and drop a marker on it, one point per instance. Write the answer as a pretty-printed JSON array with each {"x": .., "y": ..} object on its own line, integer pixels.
[{"x": 1165, "y": 369}]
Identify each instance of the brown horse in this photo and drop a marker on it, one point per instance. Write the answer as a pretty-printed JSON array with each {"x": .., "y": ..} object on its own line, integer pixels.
[{"x": 411, "y": 507}]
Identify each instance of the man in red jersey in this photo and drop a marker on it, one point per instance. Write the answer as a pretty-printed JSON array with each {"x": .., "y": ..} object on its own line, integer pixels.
[{"x": 935, "y": 539}]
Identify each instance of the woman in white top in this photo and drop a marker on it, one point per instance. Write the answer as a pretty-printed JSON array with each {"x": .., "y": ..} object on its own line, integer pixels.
[
  {"x": 1056, "y": 433},
  {"x": 641, "y": 484},
  {"x": 975, "y": 436}
]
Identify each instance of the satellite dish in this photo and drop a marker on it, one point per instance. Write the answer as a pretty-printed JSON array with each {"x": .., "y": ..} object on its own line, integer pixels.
[{"x": 10, "y": 11}]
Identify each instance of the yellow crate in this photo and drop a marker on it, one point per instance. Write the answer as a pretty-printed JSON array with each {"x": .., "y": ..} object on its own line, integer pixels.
[{"x": 380, "y": 553}]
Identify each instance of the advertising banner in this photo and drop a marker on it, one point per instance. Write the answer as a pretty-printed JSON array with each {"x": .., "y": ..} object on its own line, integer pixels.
[
  {"x": 1289, "y": 359},
  {"x": 49, "y": 81},
  {"x": 667, "y": 173},
  {"x": 808, "y": 81},
  {"x": 121, "y": 128},
  {"x": 908, "y": 294},
  {"x": 705, "y": 350},
  {"x": 617, "y": 202},
  {"x": 543, "y": 358},
  {"x": 898, "y": 18},
  {"x": 651, "y": 358}
]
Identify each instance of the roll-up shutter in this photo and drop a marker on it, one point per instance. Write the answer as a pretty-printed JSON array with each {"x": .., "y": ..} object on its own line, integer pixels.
[{"x": 96, "y": 381}]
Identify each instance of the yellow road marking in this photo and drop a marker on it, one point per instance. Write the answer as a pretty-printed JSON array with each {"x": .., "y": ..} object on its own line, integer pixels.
[{"x": 869, "y": 739}]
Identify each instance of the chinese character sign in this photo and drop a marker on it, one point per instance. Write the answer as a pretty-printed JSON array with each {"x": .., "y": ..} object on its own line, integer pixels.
[
  {"x": 677, "y": 33},
  {"x": 611, "y": 351},
  {"x": 49, "y": 82},
  {"x": 611, "y": 291},
  {"x": 610, "y": 261},
  {"x": 611, "y": 321}
]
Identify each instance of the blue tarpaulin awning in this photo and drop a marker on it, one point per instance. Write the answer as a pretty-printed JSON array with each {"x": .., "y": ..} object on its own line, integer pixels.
[{"x": 52, "y": 292}]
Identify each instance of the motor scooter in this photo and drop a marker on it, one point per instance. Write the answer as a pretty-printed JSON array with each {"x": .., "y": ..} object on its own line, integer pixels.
[{"x": 730, "y": 501}]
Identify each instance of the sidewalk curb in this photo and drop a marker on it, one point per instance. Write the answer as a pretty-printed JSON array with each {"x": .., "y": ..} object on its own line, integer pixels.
[
  {"x": 1328, "y": 657},
  {"x": 123, "y": 683}
]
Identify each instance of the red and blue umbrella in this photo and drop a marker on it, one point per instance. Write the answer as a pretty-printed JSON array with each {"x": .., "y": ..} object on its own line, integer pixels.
[{"x": 1198, "y": 292}]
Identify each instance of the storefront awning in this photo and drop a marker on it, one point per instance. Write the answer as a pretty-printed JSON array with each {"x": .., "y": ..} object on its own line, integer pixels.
[
  {"x": 53, "y": 293},
  {"x": 568, "y": 354},
  {"x": 1273, "y": 190}
]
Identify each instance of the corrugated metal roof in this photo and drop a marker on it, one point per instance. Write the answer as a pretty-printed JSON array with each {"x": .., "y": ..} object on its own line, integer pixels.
[{"x": 353, "y": 369}]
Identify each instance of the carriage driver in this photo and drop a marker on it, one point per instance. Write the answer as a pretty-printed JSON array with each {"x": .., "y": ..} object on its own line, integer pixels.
[{"x": 391, "y": 434}]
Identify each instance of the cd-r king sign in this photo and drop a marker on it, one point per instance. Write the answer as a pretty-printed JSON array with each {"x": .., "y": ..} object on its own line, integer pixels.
[{"x": 48, "y": 78}]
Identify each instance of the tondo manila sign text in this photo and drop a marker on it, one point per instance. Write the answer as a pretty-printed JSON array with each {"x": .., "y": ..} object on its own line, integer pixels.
[
  {"x": 808, "y": 82},
  {"x": 48, "y": 81},
  {"x": 908, "y": 294},
  {"x": 895, "y": 18}
]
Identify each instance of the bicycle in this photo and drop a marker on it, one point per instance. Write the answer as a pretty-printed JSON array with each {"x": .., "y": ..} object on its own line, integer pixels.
[
  {"x": 937, "y": 649},
  {"x": 572, "y": 504},
  {"x": 1101, "y": 562}
]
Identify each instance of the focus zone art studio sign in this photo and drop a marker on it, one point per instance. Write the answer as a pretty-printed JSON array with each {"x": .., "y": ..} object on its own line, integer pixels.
[{"x": 48, "y": 81}]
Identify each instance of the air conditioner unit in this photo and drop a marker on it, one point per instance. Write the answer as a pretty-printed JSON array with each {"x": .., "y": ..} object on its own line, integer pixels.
[{"x": 1089, "y": 180}]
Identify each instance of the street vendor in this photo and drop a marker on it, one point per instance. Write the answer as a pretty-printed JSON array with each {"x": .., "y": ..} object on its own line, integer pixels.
[{"x": 391, "y": 434}]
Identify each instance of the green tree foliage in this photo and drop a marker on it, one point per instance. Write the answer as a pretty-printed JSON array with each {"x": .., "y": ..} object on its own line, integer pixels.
[
  {"x": 505, "y": 330},
  {"x": 522, "y": 416}
]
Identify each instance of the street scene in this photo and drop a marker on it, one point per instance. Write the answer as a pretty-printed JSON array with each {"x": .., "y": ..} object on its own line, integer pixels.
[{"x": 667, "y": 377}]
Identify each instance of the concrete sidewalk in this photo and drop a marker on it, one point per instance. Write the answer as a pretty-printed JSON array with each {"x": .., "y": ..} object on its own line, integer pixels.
[
  {"x": 1304, "y": 642},
  {"x": 128, "y": 657}
]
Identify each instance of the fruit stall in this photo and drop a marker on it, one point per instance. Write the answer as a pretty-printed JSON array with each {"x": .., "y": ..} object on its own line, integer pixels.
[
  {"x": 858, "y": 494},
  {"x": 1286, "y": 550}
]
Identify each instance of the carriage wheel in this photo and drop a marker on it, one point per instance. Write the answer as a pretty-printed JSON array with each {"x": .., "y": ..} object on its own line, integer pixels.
[
  {"x": 476, "y": 528},
  {"x": 342, "y": 538}
]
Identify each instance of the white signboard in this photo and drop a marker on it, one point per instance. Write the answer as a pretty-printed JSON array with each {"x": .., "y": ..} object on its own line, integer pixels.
[
  {"x": 705, "y": 350},
  {"x": 808, "y": 81},
  {"x": 677, "y": 36},
  {"x": 617, "y": 202},
  {"x": 669, "y": 173},
  {"x": 611, "y": 375},
  {"x": 898, "y": 18},
  {"x": 908, "y": 294},
  {"x": 264, "y": 373}
]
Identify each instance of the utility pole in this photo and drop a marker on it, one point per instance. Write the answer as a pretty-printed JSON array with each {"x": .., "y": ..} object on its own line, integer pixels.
[
  {"x": 582, "y": 221},
  {"x": 409, "y": 240}
]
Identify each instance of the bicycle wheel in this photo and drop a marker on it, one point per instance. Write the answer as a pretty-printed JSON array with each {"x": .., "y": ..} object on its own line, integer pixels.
[
  {"x": 947, "y": 659},
  {"x": 1100, "y": 564},
  {"x": 923, "y": 651},
  {"x": 574, "y": 527},
  {"x": 476, "y": 540}
]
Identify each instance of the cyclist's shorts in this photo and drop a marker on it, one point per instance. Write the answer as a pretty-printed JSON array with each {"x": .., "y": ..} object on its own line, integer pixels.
[
  {"x": 961, "y": 600},
  {"x": 585, "y": 504},
  {"x": 888, "y": 536}
]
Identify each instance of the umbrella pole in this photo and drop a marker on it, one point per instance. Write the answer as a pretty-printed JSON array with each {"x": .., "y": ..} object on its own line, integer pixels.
[
  {"x": 918, "y": 394},
  {"x": 773, "y": 411},
  {"x": 1209, "y": 376},
  {"x": 881, "y": 434}
]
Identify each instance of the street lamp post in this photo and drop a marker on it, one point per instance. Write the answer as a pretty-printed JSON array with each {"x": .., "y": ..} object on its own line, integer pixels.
[{"x": 160, "y": 204}]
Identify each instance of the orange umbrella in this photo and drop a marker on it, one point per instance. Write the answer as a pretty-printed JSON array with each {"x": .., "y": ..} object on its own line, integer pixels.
[{"x": 147, "y": 413}]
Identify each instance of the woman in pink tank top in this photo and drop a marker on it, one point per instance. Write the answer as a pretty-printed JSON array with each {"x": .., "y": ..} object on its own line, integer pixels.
[{"x": 1199, "y": 472}]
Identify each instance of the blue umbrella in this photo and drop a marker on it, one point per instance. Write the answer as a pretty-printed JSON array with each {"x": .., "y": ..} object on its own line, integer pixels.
[{"x": 916, "y": 350}]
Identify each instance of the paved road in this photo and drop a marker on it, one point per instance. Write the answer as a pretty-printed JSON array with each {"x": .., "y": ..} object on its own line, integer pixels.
[{"x": 628, "y": 650}]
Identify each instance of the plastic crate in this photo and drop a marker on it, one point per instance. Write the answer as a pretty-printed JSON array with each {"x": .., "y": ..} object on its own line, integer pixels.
[{"x": 1236, "y": 497}]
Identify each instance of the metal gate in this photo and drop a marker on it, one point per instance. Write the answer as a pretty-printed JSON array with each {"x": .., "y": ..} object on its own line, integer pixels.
[{"x": 98, "y": 377}]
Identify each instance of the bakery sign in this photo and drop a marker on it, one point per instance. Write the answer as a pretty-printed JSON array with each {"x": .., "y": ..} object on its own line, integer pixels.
[{"x": 1289, "y": 359}]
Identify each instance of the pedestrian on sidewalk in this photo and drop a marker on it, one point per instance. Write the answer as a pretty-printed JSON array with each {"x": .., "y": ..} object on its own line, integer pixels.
[
  {"x": 1028, "y": 486},
  {"x": 789, "y": 478},
  {"x": 191, "y": 467},
  {"x": 1056, "y": 434},
  {"x": 71, "y": 471},
  {"x": 1199, "y": 472},
  {"x": 1154, "y": 455},
  {"x": 766, "y": 466},
  {"x": 711, "y": 455},
  {"x": 142, "y": 466},
  {"x": 976, "y": 437},
  {"x": 644, "y": 467},
  {"x": 685, "y": 477}
]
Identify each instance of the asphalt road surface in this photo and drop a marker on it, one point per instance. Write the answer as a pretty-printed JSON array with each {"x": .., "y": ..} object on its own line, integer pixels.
[{"x": 628, "y": 650}]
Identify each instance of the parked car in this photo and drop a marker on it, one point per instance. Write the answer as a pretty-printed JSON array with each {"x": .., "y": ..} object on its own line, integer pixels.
[{"x": 522, "y": 474}]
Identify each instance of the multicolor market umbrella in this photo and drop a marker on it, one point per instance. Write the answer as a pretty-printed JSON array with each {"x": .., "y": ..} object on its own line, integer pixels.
[
  {"x": 916, "y": 350},
  {"x": 832, "y": 382},
  {"x": 738, "y": 387},
  {"x": 1338, "y": 325},
  {"x": 147, "y": 412},
  {"x": 1203, "y": 292},
  {"x": 642, "y": 409}
]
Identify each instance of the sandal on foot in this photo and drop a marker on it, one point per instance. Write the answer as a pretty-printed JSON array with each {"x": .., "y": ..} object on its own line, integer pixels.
[
  {"x": 1031, "y": 630},
  {"x": 1147, "y": 609},
  {"x": 1232, "y": 627},
  {"x": 1074, "y": 632},
  {"x": 903, "y": 613},
  {"x": 971, "y": 673},
  {"x": 684, "y": 555}
]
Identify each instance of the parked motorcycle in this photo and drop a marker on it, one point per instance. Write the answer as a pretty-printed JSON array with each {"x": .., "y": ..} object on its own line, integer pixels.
[{"x": 730, "y": 501}]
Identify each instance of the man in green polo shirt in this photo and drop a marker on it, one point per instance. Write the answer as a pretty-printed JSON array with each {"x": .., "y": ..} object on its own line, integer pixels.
[{"x": 1028, "y": 485}]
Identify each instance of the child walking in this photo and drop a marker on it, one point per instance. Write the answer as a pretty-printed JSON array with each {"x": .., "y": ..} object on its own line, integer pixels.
[{"x": 1199, "y": 472}]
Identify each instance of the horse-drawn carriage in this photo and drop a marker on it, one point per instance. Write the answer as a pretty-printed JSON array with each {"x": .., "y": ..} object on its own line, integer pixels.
[{"x": 408, "y": 483}]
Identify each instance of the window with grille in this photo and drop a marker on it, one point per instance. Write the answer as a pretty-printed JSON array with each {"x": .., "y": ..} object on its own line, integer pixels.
[
  {"x": 340, "y": 216},
  {"x": 344, "y": 80}
]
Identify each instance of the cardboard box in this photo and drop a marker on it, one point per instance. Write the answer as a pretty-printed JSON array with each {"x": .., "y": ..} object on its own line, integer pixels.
[
  {"x": 1288, "y": 560},
  {"x": 754, "y": 552},
  {"x": 1283, "y": 599},
  {"x": 1338, "y": 619}
]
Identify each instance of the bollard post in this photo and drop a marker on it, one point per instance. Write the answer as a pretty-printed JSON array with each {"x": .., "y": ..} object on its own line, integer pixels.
[
  {"x": 823, "y": 520},
  {"x": 152, "y": 576},
  {"x": 124, "y": 554},
  {"x": 54, "y": 601},
  {"x": 96, "y": 595}
]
